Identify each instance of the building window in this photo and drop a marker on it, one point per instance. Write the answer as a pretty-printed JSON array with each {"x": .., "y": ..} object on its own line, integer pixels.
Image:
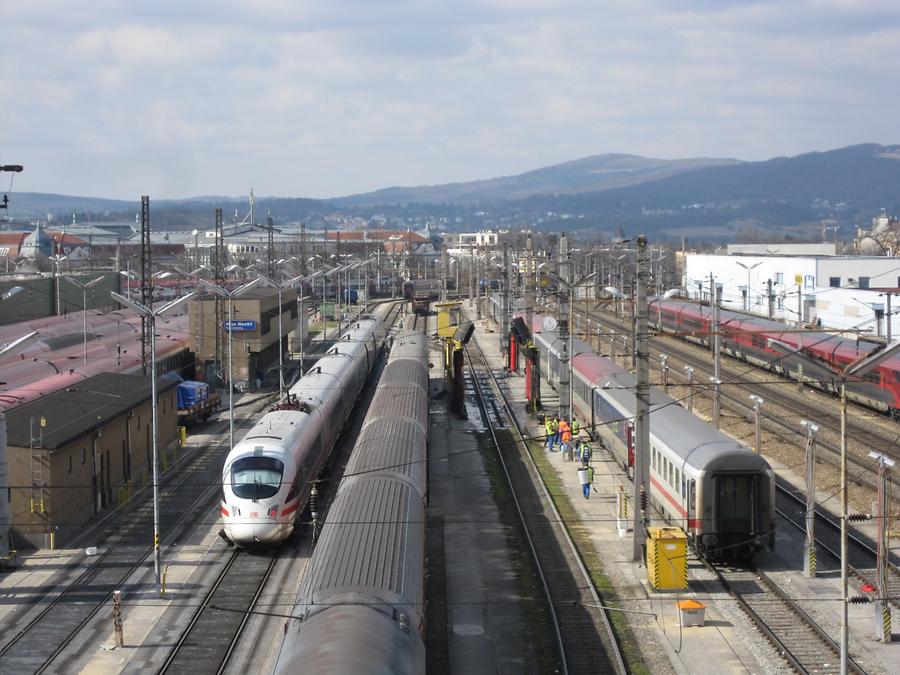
[
  {"x": 809, "y": 281},
  {"x": 834, "y": 282},
  {"x": 779, "y": 278},
  {"x": 864, "y": 282}
]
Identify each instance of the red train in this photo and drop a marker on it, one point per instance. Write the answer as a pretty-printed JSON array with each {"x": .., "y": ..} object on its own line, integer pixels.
[{"x": 772, "y": 345}]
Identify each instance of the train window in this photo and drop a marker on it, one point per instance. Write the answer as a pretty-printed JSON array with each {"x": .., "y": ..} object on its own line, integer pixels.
[
  {"x": 256, "y": 477},
  {"x": 83, "y": 455},
  {"x": 69, "y": 465},
  {"x": 677, "y": 477}
]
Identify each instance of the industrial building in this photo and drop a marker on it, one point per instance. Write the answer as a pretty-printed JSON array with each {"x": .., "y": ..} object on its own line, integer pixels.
[
  {"x": 254, "y": 335},
  {"x": 835, "y": 292},
  {"x": 81, "y": 450}
]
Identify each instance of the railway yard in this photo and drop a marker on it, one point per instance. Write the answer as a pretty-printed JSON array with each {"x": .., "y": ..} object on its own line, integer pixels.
[{"x": 449, "y": 540}]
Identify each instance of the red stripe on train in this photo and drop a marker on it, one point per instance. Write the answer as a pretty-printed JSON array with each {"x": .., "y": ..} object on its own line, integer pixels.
[
  {"x": 224, "y": 511},
  {"x": 694, "y": 523}
]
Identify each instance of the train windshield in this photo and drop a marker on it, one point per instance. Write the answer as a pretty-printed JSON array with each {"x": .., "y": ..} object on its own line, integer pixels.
[{"x": 256, "y": 477}]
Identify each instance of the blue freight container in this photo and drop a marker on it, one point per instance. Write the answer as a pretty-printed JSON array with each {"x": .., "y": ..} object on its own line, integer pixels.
[{"x": 190, "y": 393}]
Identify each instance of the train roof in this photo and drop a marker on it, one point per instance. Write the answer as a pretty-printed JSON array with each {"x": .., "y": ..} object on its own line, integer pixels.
[
  {"x": 366, "y": 551},
  {"x": 692, "y": 439},
  {"x": 275, "y": 426},
  {"x": 352, "y": 639},
  {"x": 845, "y": 349}
]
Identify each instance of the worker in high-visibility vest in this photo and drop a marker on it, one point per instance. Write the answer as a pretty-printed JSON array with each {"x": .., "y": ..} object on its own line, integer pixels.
[
  {"x": 551, "y": 425},
  {"x": 565, "y": 434}
]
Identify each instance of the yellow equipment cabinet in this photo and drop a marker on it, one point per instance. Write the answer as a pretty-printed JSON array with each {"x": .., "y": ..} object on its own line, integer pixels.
[
  {"x": 667, "y": 558},
  {"x": 449, "y": 314}
]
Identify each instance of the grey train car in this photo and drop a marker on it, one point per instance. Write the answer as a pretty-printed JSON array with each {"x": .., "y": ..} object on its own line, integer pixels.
[
  {"x": 361, "y": 603},
  {"x": 717, "y": 490}
]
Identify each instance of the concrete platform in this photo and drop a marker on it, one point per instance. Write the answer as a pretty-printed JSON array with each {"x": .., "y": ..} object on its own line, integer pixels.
[
  {"x": 485, "y": 624},
  {"x": 728, "y": 643}
]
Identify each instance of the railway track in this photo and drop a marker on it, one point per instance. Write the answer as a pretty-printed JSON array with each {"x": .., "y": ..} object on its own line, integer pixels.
[
  {"x": 790, "y": 407},
  {"x": 35, "y": 642},
  {"x": 583, "y": 633},
  {"x": 799, "y": 639},
  {"x": 861, "y": 555},
  {"x": 215, "y": 629}
]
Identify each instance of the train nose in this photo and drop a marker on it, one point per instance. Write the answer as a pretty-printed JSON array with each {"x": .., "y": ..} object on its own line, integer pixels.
[{"x": 251, "y": 533}]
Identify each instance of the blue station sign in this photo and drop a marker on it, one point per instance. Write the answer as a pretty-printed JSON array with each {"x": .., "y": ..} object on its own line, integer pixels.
[{"x": 234, "y": 326}]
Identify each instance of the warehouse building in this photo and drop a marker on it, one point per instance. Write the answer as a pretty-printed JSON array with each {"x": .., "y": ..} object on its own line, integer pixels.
[
  {"x": 77, "y": 452},
  {"x": 254, "y": 333}
]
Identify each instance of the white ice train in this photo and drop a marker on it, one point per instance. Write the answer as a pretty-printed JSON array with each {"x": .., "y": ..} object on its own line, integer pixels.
[{"x": 268, "y": 475}]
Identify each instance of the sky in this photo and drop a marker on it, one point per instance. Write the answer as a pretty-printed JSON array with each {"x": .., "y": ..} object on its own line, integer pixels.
[{"x": 335, "y": 97}]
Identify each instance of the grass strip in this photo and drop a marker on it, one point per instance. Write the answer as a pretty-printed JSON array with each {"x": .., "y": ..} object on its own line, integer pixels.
[{"x": 628, "y": 643}]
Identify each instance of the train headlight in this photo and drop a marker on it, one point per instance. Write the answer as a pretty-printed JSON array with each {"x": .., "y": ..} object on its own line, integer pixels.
[
  {"x": 235, "y": 511},
  {"x": 273, "y": 512}
]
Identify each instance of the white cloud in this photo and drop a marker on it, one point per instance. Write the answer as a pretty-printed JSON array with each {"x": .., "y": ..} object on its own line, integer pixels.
[{"x": 325, "y": 98}]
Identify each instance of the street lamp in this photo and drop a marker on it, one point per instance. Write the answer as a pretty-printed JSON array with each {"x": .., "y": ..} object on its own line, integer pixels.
[
  {"x": 84, "y": 289},
  {"x": 747, "y": 293},
  {"x": 690, "y": 372},
  {"x": 229, "y": 296},
  {"x": 57, "y": 261},
  {"x": 151, "y": 316},
  {"x": 757, "y": 406}
]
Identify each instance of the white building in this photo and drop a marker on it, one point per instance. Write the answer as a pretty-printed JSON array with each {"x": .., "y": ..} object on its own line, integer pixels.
[{"x": 839, "y": 292}]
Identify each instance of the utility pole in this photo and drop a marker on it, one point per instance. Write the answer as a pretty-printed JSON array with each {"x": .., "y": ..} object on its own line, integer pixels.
[
  {"x": 472, "y": 297},
  {"x": 809, "y": 551},
  {"x": 770, "y": 298},
  {"x": 443, "y": 272},
  {"x": 504, "y": 303},
  {"x": 717, "y": 351},
  {"x": 642, "y": 395},
  {"x": 480, "y": 283},
  {"x": 882, "y": 550},
  {"x": 219, "y": 280},
  {"x": 529, "y": 284},
  {"x": 304, "y": 270},
  {"x": 800, "y": 336},
  {"x": 146, "y": 283},
  {"x": 270, "y": 247}
]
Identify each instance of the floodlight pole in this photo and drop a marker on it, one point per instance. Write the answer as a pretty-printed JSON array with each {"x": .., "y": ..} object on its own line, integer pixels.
[{"x": 150, "y": 314}]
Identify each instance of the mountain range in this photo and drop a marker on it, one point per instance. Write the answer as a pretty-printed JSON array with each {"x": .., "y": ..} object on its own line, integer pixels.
[{"x": 697, "y": 197}]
